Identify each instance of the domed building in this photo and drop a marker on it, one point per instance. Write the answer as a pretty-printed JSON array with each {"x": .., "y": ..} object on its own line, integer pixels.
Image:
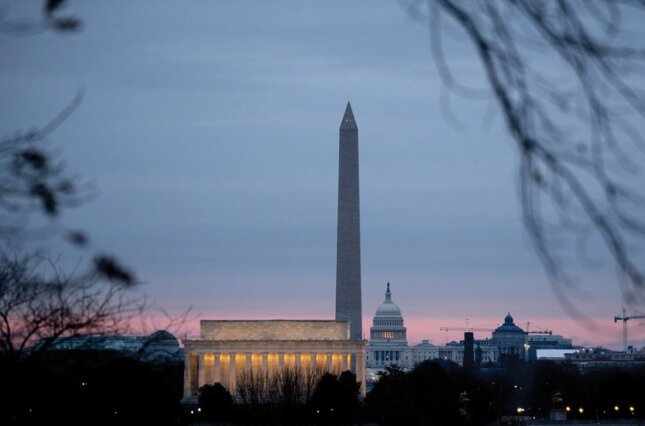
[
  {"x": 388, "y": 342},
  {"x": 387, "y": 327},
  {"x": 160, "y": 346},
  {"x": 510, "y": 339}
]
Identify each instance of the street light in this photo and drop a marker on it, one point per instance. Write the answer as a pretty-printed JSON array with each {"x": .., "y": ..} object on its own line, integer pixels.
[
  {"x": 581, "y": 410},
  {"x": 616, "y": 408}
]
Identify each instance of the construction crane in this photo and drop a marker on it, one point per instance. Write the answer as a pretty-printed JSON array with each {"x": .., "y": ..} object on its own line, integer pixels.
[
  {"x": 528, "y": 324},
  {"x": 624, "y": 319},
  {"x": 469, "y": 329},
  {"x": 465, "y": 329}
]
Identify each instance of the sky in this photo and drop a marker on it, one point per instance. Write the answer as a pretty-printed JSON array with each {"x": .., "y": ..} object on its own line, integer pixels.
[{"x": 209, "y": 132}]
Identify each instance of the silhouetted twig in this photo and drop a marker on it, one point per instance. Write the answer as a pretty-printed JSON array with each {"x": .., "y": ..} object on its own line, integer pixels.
[{"x": 579, "y": 135}]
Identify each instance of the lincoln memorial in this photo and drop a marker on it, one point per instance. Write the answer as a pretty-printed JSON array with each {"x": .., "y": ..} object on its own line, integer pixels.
[{"x": 228, "y": 349}]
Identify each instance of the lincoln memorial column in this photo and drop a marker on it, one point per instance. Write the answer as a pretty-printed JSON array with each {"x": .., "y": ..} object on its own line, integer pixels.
[
  {"x": 201, "y": 371},
  {"x": 217, "y": 369},
  {"x": 297, "y": 361},
  {"x": 232, "y": 375},
  {"x": 328, "y": 359},
  {"x": 265, "y": 363},
  {"x": 249, "y": 364},
  {"x": 190, "y": 367},
  {"x": 210, "y": 369},
  {"x": 360, "y": 371},
  {"x": 314, "y": 361},
  {"x": 343, "y": 365},
  {"x": 280, "y": 362}
]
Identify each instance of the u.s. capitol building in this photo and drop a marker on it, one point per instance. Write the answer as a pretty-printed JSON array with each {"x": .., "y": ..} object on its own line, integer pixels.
[{"x": 388, "y": 344}]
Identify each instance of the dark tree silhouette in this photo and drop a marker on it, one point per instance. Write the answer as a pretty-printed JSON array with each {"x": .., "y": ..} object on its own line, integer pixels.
[
  {"x": 565, "y": 75},
  {"x": 39, "y": 302},
  {"x": 423, "y": 396},
  {"x": 33, "y": 181},
  {"x": 335, "y": 399},
  {"x": 216, "y": 402},
  {"x": 40, "y": 305},
  {"x": 90, "y": 387},
  {"x": 443, "y": 393},
  {"x": 50, "y": 20}
]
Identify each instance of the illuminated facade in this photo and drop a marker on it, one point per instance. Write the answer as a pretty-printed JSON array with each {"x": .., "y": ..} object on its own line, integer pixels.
[
  {"x": 388, "y": 343},
  {"x": 227, "y": 350}
]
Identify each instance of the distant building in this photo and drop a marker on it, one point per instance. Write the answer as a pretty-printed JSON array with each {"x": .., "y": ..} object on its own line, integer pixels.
[
  {"x": 510, "y": 340},
  {"x": 595, "y": 358},
  {"x": 453, "y": 351},
  {"x": 548, "y": 341},
  {"x": 423, "y": 351},
  {"x": 513, "y": 342},
  {"x": 555, "y": 355},
  {"x": 547, "y": 344},
  {"x": 159, "y": 346}
]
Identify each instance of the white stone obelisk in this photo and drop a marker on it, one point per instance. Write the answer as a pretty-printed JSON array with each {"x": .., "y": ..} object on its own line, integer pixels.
[{"x": 348, "y": 250}]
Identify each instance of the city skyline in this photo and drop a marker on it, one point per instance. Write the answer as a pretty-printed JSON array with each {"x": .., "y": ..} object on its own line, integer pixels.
[{"x": 210, "y": 135}]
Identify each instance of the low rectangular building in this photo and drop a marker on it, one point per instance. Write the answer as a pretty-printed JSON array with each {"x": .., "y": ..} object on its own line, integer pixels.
[{"x": 227, "y": 350}]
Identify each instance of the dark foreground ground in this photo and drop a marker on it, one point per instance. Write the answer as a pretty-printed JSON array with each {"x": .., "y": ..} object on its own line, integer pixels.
[{"x": 84, "y": 387}]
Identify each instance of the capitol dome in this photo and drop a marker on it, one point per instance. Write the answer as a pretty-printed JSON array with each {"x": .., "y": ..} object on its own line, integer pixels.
[
  {"x": 388, "y": 308},
  {"x": 388, "y": 322}
]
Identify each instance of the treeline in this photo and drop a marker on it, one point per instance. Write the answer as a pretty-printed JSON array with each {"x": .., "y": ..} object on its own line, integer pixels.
[
  {"x": 102, "y": 387},
  {"x": 89, "y": 387},
  {"x": 441, "y": 393},
  {"x": 434, "y": 393},
  {"x": 292, "y": 396}
]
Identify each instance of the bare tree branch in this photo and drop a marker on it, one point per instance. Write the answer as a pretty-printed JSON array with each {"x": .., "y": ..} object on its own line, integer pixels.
[
  {"x": 579, "y": 135},
  {"x": 50, "y": 20},
  {"x": 41, "y": 304}
]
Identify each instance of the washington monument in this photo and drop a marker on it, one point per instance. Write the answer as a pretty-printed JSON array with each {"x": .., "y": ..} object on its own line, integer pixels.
[{"x": 348, "y": 250}]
